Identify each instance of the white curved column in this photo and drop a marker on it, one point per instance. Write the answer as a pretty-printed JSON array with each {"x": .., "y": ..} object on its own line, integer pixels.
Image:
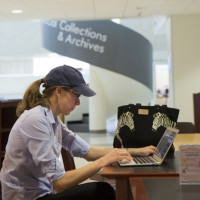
[
  {"x": 113, "y": 90},
  {"x": 97, "y": 104}
]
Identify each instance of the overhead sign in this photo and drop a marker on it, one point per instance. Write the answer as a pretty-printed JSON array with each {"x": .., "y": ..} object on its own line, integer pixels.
[{"x": 102, "y": 43}]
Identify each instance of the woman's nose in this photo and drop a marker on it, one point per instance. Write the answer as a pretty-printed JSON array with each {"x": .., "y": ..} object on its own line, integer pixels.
[{"x": 78, "y": 102}]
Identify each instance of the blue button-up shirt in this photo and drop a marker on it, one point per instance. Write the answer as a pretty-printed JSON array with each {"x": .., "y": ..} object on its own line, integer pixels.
[{"x": 32, "y": 159}]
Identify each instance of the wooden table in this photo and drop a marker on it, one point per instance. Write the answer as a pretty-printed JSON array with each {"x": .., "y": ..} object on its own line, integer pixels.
[
  {"x": 169, "y": 168},
  {"x": 189, "y": 138},
  {"x": 163, "y": 188}
]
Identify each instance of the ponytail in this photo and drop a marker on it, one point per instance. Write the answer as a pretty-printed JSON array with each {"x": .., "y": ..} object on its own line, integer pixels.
[{"x": 33, "y": 97}]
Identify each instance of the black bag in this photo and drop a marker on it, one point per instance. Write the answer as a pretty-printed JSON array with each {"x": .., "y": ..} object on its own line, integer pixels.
[{"x": 140, "y": 126}]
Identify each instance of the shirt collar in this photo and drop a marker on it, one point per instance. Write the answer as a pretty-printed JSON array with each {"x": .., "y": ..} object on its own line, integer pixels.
[{"x": 49, "y": 114}]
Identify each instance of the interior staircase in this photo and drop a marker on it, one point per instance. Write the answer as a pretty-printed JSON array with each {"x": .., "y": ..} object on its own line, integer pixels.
[{"x": 80, "y": 125}]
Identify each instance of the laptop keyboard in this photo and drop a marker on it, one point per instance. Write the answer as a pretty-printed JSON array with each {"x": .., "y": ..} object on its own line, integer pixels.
[{"x": 144, "y": 159}]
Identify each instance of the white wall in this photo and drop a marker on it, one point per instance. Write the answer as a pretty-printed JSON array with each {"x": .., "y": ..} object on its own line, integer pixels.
[
  {"x": 186, "y": 62},
  {"x": 15, "y": 86},
  {"x": 21, "y": 38}
]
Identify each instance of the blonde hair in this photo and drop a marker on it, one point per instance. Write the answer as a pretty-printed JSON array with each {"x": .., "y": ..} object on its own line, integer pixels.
[{"x": 33, "y": 97}]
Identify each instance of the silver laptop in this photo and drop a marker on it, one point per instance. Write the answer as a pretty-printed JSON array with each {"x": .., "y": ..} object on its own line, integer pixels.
[{"x": 159, "y": 155}]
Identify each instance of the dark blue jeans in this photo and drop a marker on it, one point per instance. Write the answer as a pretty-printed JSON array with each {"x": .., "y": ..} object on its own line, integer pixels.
[{"x": 87, "y": 191}]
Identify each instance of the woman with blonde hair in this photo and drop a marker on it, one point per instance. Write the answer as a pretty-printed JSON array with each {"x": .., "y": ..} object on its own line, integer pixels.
[{"x": 32, "y": 168}]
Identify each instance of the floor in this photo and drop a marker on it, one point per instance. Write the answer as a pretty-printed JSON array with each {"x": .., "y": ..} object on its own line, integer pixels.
[{"x": 94, "y": 139}]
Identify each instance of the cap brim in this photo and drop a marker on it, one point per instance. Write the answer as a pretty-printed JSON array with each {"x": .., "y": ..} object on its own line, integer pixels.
[{"x": 85, "y": 90}]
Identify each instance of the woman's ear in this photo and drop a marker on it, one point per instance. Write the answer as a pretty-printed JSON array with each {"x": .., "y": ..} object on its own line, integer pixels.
[{"x": 58, "y": 91}]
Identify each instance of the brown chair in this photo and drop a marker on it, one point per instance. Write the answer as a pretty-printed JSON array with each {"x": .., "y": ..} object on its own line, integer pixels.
[
  {"x": 68, "y": 160},
  {"x": 186, "y": 127}
]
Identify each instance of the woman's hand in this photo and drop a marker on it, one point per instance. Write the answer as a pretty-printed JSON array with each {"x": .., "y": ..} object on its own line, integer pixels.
[
  {"x": 143, "y": 151},
  {"x": 116, "y": 155}
]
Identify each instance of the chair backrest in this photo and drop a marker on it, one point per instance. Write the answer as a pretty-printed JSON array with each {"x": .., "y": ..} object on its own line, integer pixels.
[
  {"x": 68, "y": 160},
  {"x": 186, "y": 127}
]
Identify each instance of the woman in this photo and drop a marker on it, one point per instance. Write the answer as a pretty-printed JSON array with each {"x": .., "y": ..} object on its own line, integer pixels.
[{"x": 32, "y": 168}]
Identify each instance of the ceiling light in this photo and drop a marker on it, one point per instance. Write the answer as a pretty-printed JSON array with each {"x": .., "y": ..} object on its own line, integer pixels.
[{"x": 17, "y": 11}]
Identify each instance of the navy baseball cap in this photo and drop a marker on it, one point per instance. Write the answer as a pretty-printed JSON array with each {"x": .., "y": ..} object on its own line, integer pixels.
[{"x": 68, "y": 76}]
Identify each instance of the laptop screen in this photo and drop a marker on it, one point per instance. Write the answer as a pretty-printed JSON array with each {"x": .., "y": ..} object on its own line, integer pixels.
[{"x": 165, "y": 143}]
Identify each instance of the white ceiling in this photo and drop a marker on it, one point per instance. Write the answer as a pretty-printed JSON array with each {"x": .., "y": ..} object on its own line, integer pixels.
[{"x": 94, "y": 9}]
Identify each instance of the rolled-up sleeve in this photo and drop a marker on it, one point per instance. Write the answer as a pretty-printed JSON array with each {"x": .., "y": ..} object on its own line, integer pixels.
[{"x": 73, "y": 143}]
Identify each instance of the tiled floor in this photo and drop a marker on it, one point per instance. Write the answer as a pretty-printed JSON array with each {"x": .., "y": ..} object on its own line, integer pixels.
[{"x": 94, "y": 139}]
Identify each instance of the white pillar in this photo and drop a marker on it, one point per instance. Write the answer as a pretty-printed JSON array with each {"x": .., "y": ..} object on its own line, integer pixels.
[
  {"x": 97, "y": 104},
  {"x": 186, "y": 63}
]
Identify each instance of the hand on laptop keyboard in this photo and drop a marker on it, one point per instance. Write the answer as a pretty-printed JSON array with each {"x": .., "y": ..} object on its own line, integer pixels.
[{"x": 124, "y": 161}]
